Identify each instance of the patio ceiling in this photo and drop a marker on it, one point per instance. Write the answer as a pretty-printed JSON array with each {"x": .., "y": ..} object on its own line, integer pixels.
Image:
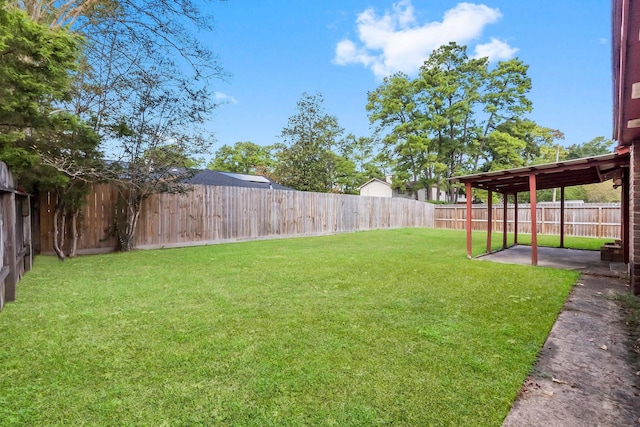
[{"x": 587, "y": 170}]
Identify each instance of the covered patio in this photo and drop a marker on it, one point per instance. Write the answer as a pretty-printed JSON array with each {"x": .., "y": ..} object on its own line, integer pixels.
[{"x": 564, "y": 174}]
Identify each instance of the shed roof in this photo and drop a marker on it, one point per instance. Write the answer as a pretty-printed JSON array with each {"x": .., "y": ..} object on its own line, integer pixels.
[
  {"x": 587, "y": 170},
  {"x": 374, "y": 180}
]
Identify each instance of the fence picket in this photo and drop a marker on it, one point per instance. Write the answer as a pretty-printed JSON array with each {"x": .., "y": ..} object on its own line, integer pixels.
[
  {"x": 583, "y": 220},
  {"x": 221, "y": 214}
]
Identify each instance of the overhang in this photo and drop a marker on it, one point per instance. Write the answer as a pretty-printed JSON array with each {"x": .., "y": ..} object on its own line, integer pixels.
[
  {"x": 568, "y": 173},
  {"x": 626, "y": 70}
]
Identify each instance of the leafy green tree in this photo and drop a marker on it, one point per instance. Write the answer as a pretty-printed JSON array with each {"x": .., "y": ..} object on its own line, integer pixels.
[
  {"x": 466, "y": 102},
  {"x": 46, "y": 147},
  {"x": 602, "y": 192},
  {"x": 305, "y": 159},
  {"x": 142, "y": 82},
  {"x": 450, "y": 93},
  {"x": 244, "y": 157},
  {"x": 393, "y": 107},
  {"x": 596, "y": 147},
  {"x": 455, "y": 117},
  {"x": 361, "y": 161},
  {"x": 170, "y": 154},
  {"x": 517, "y": 143},
  {"x": 36, "y": 70},
  {"x": 505, "y": 103},
  {"x": 71, "y": 162}
]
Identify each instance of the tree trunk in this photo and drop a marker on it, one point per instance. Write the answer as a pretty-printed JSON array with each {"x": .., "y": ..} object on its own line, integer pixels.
[
  {"x": 74, "y": 233},
  {"x": 57, "y": 233},
  {"x": 126, "y": 234}
]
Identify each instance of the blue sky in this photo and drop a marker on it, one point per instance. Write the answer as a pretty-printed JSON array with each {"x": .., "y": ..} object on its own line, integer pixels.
[{"x": 275, "y": 50}]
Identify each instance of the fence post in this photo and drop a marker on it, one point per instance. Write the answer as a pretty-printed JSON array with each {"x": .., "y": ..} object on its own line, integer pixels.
[
  {"x": 599, "y": 223},
  {"x": 9, "y": 234}
]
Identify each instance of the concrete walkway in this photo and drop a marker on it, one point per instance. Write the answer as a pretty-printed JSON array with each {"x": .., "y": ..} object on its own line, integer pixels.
[{"x": 585, "y": 374}]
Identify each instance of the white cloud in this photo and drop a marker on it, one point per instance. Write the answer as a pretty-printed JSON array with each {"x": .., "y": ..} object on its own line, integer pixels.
[
  {"x": 223, "y": 98},
  {"x": 495, "y": 50},
  {"x": 396, "y": 41}
]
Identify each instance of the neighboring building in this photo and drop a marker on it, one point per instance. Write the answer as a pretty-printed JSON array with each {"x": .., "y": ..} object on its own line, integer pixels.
[
  {"x": 377, "y": 188},
  {"x": 228, "y": 179}
]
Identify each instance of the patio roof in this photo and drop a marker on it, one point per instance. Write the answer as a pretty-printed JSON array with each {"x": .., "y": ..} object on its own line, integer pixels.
[
  {"x": 568, "y": 173},
  {"x": 587, "y": 170}
]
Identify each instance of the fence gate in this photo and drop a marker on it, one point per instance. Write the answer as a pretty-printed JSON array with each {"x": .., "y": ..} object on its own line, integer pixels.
[{"x": 15, "y": 236}]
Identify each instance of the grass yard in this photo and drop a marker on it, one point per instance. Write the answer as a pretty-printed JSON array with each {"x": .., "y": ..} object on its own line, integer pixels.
[{"x": 391, "y": 327}]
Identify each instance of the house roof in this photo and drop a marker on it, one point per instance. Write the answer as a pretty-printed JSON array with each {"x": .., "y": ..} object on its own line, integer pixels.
[
  {"x": 373, "y": 180},
  {"x": 625, "y": 27},
  {"x": 568, "y": 173},
  {"x": 228, "y": 179}
]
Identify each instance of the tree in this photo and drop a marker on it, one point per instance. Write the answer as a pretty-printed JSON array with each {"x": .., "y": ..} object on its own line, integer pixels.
[
  {"x": 452, "y": 117},
  {"x": 357, "y": 162},
  {"x": 450, "y": 84},
  {"x": 71, "y": 162},
  {"x": 36, "y": 69},
  {"x": 157, "y": 138},
  {"x": 46, "y": 147},
  {"x": 505, "y": 103},
  {"x": 517, "y": 143},
  {"x": 393, "y": 106},
  {"x": 244, "y": 157},
  {"x": 305, "y": 157},
  {"x": 466, "y": 102},
  {"x": 596, "y": 147},
  {"x": 143, "y": 85}
]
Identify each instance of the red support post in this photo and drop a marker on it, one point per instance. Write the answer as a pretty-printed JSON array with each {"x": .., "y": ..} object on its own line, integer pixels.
[
  {"x": 489, "y": 219},
  {"x": 505, "y": 200},
  {"x": 534, "y": 219},
  {"x": 469, "y": 198},
  {"x": 515, "y": 219},
  {"x": 562, "y": 217}
]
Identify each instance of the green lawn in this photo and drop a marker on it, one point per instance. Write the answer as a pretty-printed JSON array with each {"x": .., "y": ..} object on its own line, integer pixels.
[{"x": 392, "y": 327}]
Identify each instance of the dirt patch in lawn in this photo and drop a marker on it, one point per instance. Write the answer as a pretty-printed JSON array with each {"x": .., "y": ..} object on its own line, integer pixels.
[{"x": 586, "y": 374}]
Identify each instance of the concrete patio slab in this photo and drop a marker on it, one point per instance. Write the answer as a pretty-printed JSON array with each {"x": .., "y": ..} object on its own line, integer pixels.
[{"x": 587, "y": 262}]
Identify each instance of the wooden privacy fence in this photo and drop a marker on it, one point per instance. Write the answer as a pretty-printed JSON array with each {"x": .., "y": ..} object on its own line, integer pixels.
[
  {"x": 15, "y": 233},
  {"x": 212, "y": 214},
  {"x": 583, "y": 219}
]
